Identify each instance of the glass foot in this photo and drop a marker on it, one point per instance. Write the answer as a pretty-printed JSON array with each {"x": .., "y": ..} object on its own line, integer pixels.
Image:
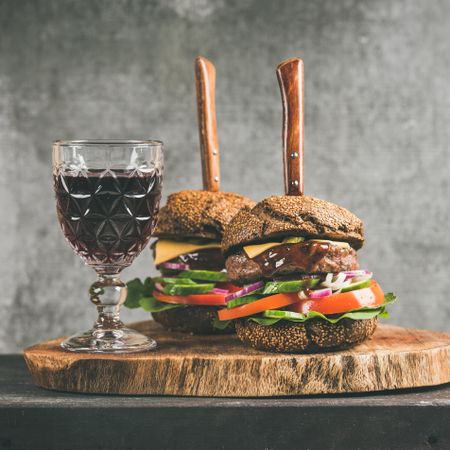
[{"x": 123, "y": 340}]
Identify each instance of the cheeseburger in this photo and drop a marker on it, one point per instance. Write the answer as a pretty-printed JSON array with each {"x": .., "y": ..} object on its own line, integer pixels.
[
  {"x": 303, "y": 288},
  {"x": 295, "y": 258},
  {"x": 193, "y": 284}
]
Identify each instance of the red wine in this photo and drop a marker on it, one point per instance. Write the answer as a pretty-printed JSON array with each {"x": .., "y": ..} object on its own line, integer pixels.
[{"x": 108, "y": 217}]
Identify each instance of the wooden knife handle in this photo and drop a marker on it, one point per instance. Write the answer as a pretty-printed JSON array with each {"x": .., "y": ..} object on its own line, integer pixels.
[
  {"x": 291, "y": 79},
  {"x": 205, "y": 76}
]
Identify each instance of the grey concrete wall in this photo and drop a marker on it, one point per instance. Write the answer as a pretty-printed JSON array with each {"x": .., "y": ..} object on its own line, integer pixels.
[{"x": 377, "y": 128}]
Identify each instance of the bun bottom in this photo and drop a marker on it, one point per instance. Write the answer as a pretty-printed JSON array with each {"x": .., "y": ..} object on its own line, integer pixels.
[
  {"x": 192, "y": 319},
  {"x": 309, "y": 337}
]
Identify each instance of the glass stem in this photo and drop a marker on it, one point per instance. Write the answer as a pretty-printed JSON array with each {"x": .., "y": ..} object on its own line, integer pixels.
[
  {"x": 108, "y": 335},
  {"x": 108, "y": 293}
]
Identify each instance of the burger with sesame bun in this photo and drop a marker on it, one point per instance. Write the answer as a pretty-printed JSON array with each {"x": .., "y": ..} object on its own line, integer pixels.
[
  {"x": 193, "y": 283},
  {"x": 295, "y": 258},
  {"x": 303, "y": 289}
]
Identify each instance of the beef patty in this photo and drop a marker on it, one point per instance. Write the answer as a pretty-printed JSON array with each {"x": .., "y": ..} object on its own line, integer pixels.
[
  {"x": 205, "y": 259},
  {"x": 307, "y": 257}
]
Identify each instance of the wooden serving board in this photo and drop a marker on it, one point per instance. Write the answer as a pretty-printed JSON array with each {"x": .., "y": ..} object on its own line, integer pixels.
[{"x": 220, "y": 366}]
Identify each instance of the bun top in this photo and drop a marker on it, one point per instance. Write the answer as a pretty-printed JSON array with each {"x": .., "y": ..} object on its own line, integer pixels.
[
  {"x": 199, "y": 214},
  {"x": 285, "y": 215}
]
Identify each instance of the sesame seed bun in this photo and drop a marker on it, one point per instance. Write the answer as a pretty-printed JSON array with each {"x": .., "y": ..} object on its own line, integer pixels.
[
  {"x": 284, "y": 215},
  {"x": 311, "y": 336},
  {"x": 193, "y": 319},
  {"x": 199, "y": 214}
]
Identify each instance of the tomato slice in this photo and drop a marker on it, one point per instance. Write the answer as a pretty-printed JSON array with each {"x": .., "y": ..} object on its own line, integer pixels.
[
  {"x": 193, "y": 299},
  {"x": 272, "y": 302},
  {"x": 343, "y": 302}
]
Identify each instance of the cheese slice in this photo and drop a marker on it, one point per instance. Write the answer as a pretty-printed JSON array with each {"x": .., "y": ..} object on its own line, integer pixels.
[
  {"x": 257, "y": 249},
  {"x": 165, "y": 249}
]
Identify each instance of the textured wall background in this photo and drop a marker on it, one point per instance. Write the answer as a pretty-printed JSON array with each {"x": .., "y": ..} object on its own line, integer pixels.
[{"x": 377, "y": 128}]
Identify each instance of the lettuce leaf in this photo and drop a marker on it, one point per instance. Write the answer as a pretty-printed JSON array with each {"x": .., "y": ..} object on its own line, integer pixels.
[
  {"x": 137, "y": 290},
  {"x": 354, "y": 315},
  {"x": 220, "y": 324},
  {"x": 389, "y": 298},
  {"x": 357, "y": 314},
  {"x": 140, "y": 295},
  {"x": 150, "y": 304}
]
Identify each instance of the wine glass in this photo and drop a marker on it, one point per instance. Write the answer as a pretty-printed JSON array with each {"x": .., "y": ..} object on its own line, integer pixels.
[{"x": 107, "y": 201}]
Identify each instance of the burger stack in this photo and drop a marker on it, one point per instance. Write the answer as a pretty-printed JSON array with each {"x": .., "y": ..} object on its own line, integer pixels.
[
  {"x": 193, "y": 283},
  {"x": 303, "y": 288},
  {"x": 295, "y": 258}
]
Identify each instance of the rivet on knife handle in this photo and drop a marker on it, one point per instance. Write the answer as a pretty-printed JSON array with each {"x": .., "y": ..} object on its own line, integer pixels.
[
  {"x": 205, "y": 76},
  {"x": 291, "y": 80}
]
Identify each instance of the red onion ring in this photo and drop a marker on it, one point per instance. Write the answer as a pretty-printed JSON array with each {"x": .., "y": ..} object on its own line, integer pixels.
[
  {"x": 174, "y": 266},
  {"x": 246, "y": 290}
]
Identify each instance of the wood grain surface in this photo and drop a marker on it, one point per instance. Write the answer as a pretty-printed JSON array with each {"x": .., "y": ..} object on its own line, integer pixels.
[
  {"x": 290, "y": 75},
  {"x": 33, "y": 418},
  {"x": 220, "y": 366},
  {"x": 205, "y": 77}
]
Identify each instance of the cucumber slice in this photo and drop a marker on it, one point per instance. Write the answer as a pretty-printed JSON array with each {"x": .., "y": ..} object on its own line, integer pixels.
[
  {"x": 242, "y": 300},
  {"x": 203, "y": 275},
  {"x": 167, "y": 280},
  {"x": 355, "y": 286},
  {"x": 168, "y": 272},
  {"x": 277, "y": 287},
  {"x": 184, "y": 289},
  {"x": 278, "y": 314}
]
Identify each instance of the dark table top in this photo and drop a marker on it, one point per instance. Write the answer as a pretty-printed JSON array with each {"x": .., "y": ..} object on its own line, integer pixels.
[{"x": 33, "y": 418}]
